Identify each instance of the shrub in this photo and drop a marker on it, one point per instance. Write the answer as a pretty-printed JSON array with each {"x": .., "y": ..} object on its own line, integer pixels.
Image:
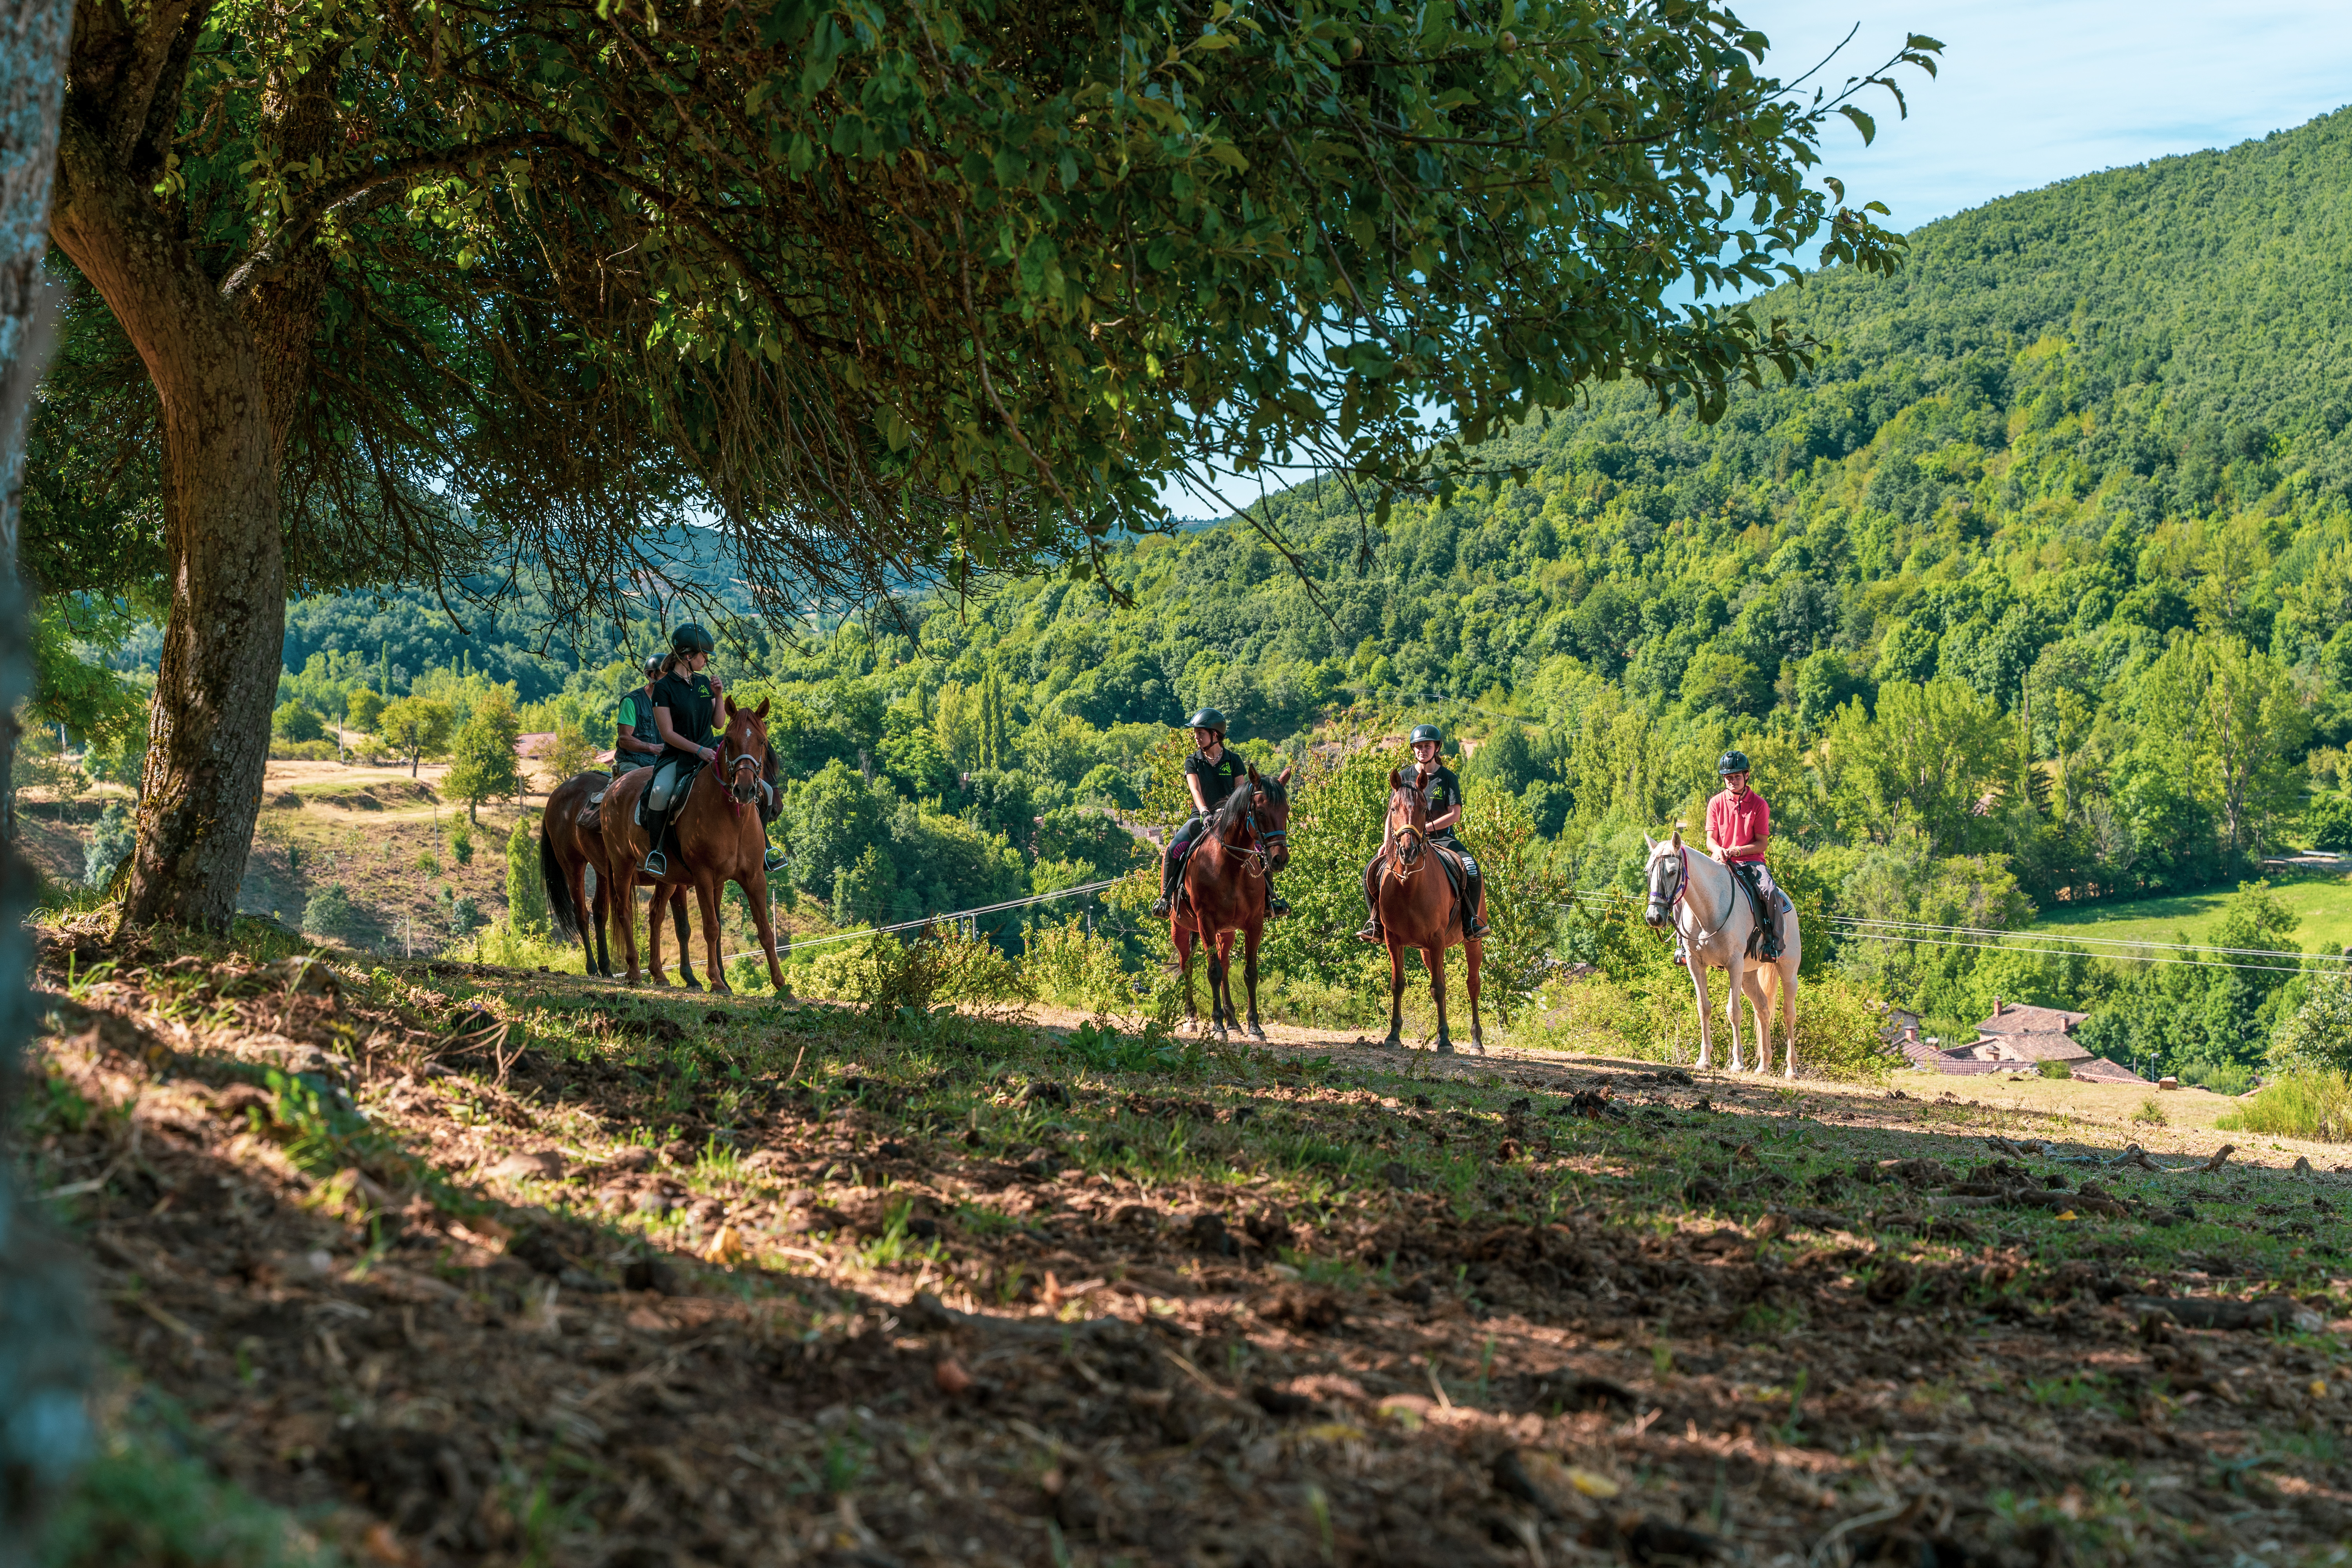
[
  {"x": 2219, "y": 1077},
  {"x": 2150, "y": 1114},
  {"x": 2318, "y": 1034},
  {"x": 526, "y": 898},
  {"x": 461, "y": 843},
  {"x": 331, "y": 913},
  {"x": 2052, "y": 1069},
  {"x": 302, "y": 751},
  {"x": 884, "y": 977},
  {"x": 465, "y": 917},
  {"x": 109, "y": 846},
  {"x": 297, "y": 721},
  {"x": 1067, "y": 967},
  {"x": 2309, "y": 1104},
  {"x": 2327, "y": 821}
]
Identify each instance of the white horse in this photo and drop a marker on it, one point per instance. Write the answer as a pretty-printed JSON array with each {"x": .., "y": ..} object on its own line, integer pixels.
[{"x": 1696, "y": 893}]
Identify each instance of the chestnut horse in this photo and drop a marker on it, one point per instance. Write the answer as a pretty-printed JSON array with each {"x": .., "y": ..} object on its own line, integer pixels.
[
  {"x": 1418, "y": 909},
  {"x": 567, "y": 852},
  {"x": 717, "y": 833},
  {"x": 1224, "y": 891}
]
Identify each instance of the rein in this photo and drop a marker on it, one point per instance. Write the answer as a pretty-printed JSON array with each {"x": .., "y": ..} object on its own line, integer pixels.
[
  {"x": 1258, "y": 855},
  {"x": 1693, "y": 941},
  {"x": 733, "y": 768}
]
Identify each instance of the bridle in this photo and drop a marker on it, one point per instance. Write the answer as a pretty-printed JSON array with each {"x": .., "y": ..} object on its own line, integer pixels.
[
  {"x": 1665, "y": 905},
  {"x": 739, "y": 793},
  {"x": 1259, "y": 854},
  {"x": 1410, "y": 840}
]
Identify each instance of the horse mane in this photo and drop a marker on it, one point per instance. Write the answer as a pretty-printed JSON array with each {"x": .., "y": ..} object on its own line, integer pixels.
[{"x": 1234, "y": 806}]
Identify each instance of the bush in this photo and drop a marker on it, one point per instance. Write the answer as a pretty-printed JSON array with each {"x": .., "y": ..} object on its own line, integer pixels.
[
  {"x": 330, "y": 913},
  {"x": 465, "y": 917},
  {"x": 2052, "y": 1069},
  {"x": 2318, "y": 1034},
  {"x": 2150, "y": 1114},
  {"x": 461, "y": 843},
  {"x": 2327, "y": 821},
  {"x": 302, "y": 751},
  {"x": 884, "y": 977},
  {"x": 1064, "y": 965},
  {"x": 2219, "y": 1077},
  {"x": 295, "y": 722},
  {"x": 526, "y": 898},
  {"x": 109, "y": 846},
  {"x": 2310, "y": 1104}
]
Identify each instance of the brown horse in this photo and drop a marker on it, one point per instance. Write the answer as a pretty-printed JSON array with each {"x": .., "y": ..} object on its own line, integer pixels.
[
  {"x": 1418, "y": 909},
  {"x": 1224, "y": 891},
  {"x": 568, "y": 852},
  {"x": 719, "y": 840}
]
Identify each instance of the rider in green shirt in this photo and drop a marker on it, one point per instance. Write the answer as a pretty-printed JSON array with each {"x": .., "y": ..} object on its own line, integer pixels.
[
  {"x": 636, "y": 743},
  {"x": 1212, "y": 773}
]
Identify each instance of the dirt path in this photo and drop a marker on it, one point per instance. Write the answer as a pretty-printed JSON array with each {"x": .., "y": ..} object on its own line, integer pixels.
[{"x": 654, "y": 1278}]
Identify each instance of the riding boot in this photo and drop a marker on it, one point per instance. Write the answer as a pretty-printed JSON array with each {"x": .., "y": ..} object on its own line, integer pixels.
[
  {"x": 1371, "y": 931},
  {"x": 1473, "y": 923},
  {"x": 657, "y": 864},
  {"x": 1276, "y": 906},
  {"x": 1167, "y": 899}
]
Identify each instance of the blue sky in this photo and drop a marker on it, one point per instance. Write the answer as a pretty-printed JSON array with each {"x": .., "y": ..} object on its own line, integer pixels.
[{"x": 2034, "y": 91}]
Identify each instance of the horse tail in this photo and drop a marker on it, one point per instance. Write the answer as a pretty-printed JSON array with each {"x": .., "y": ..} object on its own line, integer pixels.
[{"x": 557, "y": 885}]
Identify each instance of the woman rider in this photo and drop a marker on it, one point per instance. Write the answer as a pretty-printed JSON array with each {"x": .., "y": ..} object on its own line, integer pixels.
[
  {"x": 1212, "y": 773},
  {"x": 636, "y": 742},
  {"x": 685, "y": 700},
  {"x": 1738, "y": 831},
  {"x": 1441, "y": 794}
]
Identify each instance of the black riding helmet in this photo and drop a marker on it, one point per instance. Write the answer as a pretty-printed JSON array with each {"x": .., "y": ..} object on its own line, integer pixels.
[
  {"x": 1426, "y": 732},
  {"x": 690, "y": 638},
  {"x": 1733, "y": 762},
  {"x": 1207, "y": 718}
]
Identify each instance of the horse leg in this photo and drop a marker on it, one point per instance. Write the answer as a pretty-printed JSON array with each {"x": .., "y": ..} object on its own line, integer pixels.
[
  {"x": 625, "y": 916},
  {"x": 1250, "y": 939},
  {"x": 1760, "y": 1012},
  {"x": 655, "y": 904},
  {"x": 1183, "y": 940},
  {"x": 1788, "y": 1011},
  {"x": 1220, "y": 1007},
  {"x": 1396, "y": 996},
  {"x": 1435, "y": 958},
  {"x": 1706, "y": 1036},
  {"x": 575, "y": 878},
  {"x": 1471, "y": 948},
  {"x": 685, "y": 947},
  {"x": 604, "y": 965},
  {"x": 1735, "y": 985},
  {"x": 706, "y": 897},
  {"x": 766, "y": 928}
]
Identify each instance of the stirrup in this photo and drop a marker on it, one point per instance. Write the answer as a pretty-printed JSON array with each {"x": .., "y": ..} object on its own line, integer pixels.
[
  {"x": 773, "y": 860},
  {"x": 1371, "y": 933},
  {"x": 1160, "y": 906},
  {"x": 1481, "y": 931},
  {"x": 1276, "y": 906},
  {"x": 657, "y": 864}
]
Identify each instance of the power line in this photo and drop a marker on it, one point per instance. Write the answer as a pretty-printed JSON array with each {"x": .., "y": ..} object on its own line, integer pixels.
[{"x": 1089, "y": 887}]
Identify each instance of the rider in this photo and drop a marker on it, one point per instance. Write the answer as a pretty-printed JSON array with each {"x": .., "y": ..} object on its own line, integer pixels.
[
  {"x": 685, "y": 702},
  {"x": 636, "y": 742},
  {"x": 1212, "y": 773},
  {"x": 1441, "y": 794},
  {"x": 1738, "y": 829}
]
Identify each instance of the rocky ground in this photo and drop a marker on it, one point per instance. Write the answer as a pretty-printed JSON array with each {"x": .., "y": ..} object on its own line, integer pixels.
[{"x": 465, "y": 1266}]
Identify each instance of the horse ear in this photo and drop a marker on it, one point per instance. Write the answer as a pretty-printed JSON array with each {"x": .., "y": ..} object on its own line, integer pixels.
[
  {"x": 1678, "y": 834},
  {"x": 1648, "y": 843},
  {"x": 761, "y": 712},
  {"x": 1283, "y": 778},
  {"x": 1253, "y": 778},
  {"x": 728, "y": 705},
  {"x": 1396, "y": 779}
]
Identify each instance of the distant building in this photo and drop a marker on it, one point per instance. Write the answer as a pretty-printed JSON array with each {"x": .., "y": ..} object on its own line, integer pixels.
[{"x": 2019, "y": 1037}]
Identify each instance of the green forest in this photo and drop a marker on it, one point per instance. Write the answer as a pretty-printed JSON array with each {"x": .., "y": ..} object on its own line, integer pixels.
[{"x": 2036, "y": 588}]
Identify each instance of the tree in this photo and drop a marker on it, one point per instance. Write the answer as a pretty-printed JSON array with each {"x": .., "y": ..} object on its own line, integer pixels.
[
  {"x": 526, "y": 898},
  {"x": 294, "y": 721},
  {"x": 43, "y": 1424},
  {"x": 414, "y": 726},
  {"x": 482, "y": 764},
  {"x": 942, "y": 293},
  {"x": 572, "y": 752},
  {"x": 366, "y": 708},
  {"x": 1931, "y": 753}
]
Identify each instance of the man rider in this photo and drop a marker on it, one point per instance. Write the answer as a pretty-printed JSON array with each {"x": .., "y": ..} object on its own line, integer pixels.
[
  {"x": 1738, "y": 829},
  {"x": 1441, "y": 794},
  {"x": 1212, "y": 773},
  {"x": 636, "y": 743},
  {"x": 685, "y": 702}
]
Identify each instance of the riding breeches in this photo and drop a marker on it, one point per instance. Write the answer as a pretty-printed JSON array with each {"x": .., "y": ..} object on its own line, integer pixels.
[{"x": 1475, "y": 878}]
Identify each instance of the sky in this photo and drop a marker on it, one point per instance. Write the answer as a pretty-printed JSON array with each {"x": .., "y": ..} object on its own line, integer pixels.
[
  {"x": 2034, "y": 91},
  {"x": 2029, "y": 92}
]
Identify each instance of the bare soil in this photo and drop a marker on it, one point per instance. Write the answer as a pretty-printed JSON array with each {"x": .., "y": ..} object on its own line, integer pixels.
[{"x": 476, "y": 1267}]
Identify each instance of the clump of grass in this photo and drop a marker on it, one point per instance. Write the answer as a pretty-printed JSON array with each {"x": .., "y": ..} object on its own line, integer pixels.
[
  {"x": 2150, "y": 1114},
  {"x": 2315, "y": 1104}
]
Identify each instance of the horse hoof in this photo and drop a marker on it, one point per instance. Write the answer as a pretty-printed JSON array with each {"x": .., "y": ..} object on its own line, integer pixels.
[
  {"x": 1256, "y": 1032},
  {"x": 1393, "y": 1044},
  {"x": 1445, "y": 1047}
]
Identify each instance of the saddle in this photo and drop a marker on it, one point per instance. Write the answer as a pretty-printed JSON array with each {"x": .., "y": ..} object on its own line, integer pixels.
[
  {"x": 1744, "y": 873},
  {"x": 590, "y": 821}
]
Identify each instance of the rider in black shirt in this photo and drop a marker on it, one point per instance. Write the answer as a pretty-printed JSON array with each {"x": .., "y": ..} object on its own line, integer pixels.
[
  {"x": 1212, "y": 773},
  {"x": 685, "y": 702},
  {"x": 1441, "y": 795}
]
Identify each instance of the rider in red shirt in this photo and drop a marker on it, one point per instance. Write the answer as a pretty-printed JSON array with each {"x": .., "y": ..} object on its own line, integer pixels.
[{"x": 1738, "y": 829}]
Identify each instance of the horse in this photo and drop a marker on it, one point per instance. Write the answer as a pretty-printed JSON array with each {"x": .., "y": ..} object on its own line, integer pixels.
[
  {"x": 1696, "y": 893},
  {"x": 717, "y": 830},
  {"x": 1422, "y": 911},
  {"x": 1222, "y": 889},
  {"x": 567, "y": 852}
]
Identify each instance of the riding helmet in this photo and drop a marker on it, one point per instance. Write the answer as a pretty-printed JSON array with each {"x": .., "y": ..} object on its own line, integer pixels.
[
  {"x": 1207, "y": 718},
  {"x": 1733, "y": 762},
  {"x": 1426, "y": 732},
  {"x": 690, "y": 638},
  {"x": 653, "y": 666}
]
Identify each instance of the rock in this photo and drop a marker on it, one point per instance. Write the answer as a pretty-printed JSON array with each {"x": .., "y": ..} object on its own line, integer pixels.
[
  {"x": 650, "y": 1274},
  {"x": 1398, "y": 1174},
  {"x": 1207, "y": 1232},
  {"x": 1280, "y": 1402},
  {"x": 635, "y": 1157},
  {"x": 535, "y": 1165},
  {"x": 950, "y": 1378}
]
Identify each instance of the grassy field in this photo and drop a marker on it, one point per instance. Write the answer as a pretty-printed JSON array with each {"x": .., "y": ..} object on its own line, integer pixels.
[
  {"x": 652, "y": 1277},
  {"x": 2324, "y": 904}
]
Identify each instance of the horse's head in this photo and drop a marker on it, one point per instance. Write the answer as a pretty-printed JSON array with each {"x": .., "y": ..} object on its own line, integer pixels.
[
  {"x": 1665, "y": 878},
  {"x": 1408, "y": 818},
  {"x": 744, "y": 750},
  {"x": 1270, "y": 814}
]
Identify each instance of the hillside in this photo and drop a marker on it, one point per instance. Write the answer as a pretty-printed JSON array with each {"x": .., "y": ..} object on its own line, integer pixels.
[{"x": 2035, "y": 592}]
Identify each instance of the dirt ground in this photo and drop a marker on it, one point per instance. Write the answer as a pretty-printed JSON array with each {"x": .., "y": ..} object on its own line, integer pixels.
[{"x": 476, "y": 1267}]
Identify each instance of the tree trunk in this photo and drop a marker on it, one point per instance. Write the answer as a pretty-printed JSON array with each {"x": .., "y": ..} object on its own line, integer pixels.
[
  {"x": 209, "y": 357},
  {"x": 44, "y": 1347}
]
